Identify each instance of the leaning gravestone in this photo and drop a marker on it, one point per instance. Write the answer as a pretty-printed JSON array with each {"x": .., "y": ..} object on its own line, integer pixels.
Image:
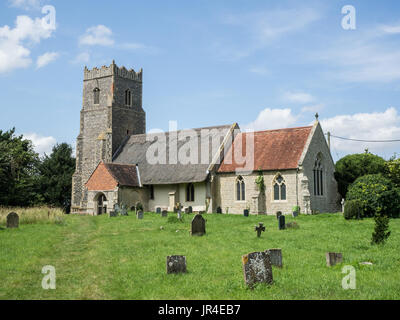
[
  {"x": 176, "y": 264},
  {"x": 164, "y": 213},
  {"x": 333, "y": 258},
  {"x": 257, "y": 268},
  {"x": 12, "y": 220},
  {"x": 198, "y": 225},
  {"x": 281, "y": 222},
  {"x": 140, "y": 215},
  {"x": 276, "y": 257}
]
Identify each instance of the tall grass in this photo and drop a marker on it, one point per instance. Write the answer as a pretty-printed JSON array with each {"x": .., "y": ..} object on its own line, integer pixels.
[{"x": 32, "y": 215}]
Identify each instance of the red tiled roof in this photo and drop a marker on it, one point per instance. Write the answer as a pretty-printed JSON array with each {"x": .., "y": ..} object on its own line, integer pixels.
[
  {"x": 273, "y": 149},
  {"x": 108, "y": 175}
]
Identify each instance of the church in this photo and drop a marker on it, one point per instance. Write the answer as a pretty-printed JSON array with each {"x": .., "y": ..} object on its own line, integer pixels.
[{"x": 208, "y": 170}]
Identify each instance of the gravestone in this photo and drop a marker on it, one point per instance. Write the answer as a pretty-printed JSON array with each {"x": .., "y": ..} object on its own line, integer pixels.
[
  {"x": 281, "y": 222},
  {"x": 179, "y": 214},
  {"x": 292, "y": 225},
  {"x": 113, "y": 214},
  {"x": 198, "y": 225},
  {"x": 276, "y": 257},
  {"x": 186, "y": 210},
  {"x": 295, "y": 214},
  {"x": 246, "y": 212},
  {"x": 342, "y": 203},
  {"x": 219, "y": 210},
  {"x": 176, "y": 264},
  {"x": 124, "y": 210},
  {"x": 257, "y": 268},
  {"x": 158, "y": 210},
  {"x": 190, "y": 210},
  {"x": 260, "y": 228},
  {"x": 140, "y": 215},
  {"x": 333, "y": 258},
  {"x": 164, "y": 213},
  {"x": 12, "y": 220}
]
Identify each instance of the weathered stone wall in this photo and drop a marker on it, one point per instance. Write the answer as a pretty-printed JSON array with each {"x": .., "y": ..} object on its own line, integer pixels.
[
  {"x": 111, "y": 196},
  {"x": 225, "y": 194},
  {"x": 329, "y": 201},
  {"x": 129, "y": 196},
  {"x": 104, "y": 126}
]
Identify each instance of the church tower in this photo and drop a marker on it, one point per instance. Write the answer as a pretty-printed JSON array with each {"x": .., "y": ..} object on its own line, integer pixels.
[{"x": 111, "y": 112}]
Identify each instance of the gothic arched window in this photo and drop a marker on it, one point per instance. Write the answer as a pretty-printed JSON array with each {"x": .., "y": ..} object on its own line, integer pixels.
[
  {"x": 96, "y": 96},
  {"x": 318, "y": 176},
  {"x": 279, "y": 188},
  {"x": 128, "y": 100},
  {"x": 240, "y": 189},
  {"x": 190, "y": 192}
]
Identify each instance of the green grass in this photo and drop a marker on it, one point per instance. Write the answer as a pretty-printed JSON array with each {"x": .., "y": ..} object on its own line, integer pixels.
[{"x": 124, "y": 258}]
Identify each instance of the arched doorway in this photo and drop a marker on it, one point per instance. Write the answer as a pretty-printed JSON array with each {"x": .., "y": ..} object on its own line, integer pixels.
[{"x": 101, "y": 204}]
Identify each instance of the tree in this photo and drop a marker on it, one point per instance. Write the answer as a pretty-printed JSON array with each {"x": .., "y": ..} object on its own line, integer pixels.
[
  {"x": 353, "y": 166},
  {"x": 56, "y": 173},
  {"x": 393, "y": 170},
  {"x": 18, "y": 170},
  {"x": 377, "y": 195}
]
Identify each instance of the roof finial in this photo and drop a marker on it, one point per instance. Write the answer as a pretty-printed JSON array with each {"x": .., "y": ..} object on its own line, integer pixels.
[{"x": 316, "y": 116}]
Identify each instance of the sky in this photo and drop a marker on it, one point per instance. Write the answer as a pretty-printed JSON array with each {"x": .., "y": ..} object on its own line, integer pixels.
[{"x": 263, "y": 64}]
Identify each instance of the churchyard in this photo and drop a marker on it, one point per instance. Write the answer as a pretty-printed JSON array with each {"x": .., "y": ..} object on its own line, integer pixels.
[{"x": 125, "y": 257}]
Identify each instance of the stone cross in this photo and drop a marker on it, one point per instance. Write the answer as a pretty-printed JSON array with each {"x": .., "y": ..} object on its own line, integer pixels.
[
  {"x": 281, "y": 222},
  {"x": 260, "y": 228},
  {"x": 176, "y": 264},
  {"x": 342, "y": 203},
  {"x": 198, "y": 225},
  {"x": 257, "y": 268},
  {"x": 333, "y": 258},
  {"x": 12, "y": 220},
  {"x": 276, "y": 257}
]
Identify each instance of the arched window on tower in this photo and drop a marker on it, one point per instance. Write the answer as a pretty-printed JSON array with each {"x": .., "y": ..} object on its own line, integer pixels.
[
  {"x": 190, "y": 192},
  {"x": 128, "y": 98},
  {"x": 318, "y": 176},
  {"x": 96, "y": 96},
  {"x": 240, "y": 189},
  {"x": 279, "y": 188}
]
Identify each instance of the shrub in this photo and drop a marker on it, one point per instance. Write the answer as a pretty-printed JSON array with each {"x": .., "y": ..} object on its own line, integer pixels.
[
  {"x": 381, "y": 232},
  {"x": 377, "y": 194},
  {"x": 139, "y": 206},
  {"x": 353, "y": 209},
  {"x": 296, "y": 209}
]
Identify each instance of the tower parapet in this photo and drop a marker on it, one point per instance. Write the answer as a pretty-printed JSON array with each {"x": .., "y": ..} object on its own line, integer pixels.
[{"x": 113, "y": 69}]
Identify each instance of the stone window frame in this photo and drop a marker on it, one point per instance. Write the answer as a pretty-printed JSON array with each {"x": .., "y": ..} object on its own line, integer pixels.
[
  {"x": 275, "y": 182},
  {"x": 128, "y": 97},
  {"x": 240, "y": 189},
  {"x": 96, "y": 96},
  {"x": 319, "y": 176}
]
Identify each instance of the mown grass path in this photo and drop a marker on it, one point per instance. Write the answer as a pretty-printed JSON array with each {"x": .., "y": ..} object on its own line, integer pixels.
[{"x": 124, "y": 258}]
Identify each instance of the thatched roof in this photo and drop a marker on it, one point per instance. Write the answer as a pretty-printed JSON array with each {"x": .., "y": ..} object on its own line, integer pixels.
[{"x": 166, "y": 170}]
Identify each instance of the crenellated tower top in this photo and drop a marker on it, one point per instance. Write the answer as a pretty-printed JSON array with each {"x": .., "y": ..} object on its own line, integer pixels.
[{"x": 112, "y": 70}]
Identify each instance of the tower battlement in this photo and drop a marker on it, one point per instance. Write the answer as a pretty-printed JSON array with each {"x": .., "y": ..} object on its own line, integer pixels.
[{"x": 113, "y": 69}]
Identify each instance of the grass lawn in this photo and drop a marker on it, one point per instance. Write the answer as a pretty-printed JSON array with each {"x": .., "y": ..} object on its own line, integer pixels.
[{"x": 124, "y": 258}]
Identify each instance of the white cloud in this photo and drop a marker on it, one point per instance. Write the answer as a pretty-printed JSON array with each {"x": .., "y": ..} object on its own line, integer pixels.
[
  {"x": 98, "y": 35},
  {"x": 312, "y": 108},
  {"x": 272, "y": 119},
  {"x": 391, "y": 29},
  {"x": 83, "y": 57},
  {"x": 298, "y": 97},
  {"x": 365, "y": 126},
  {"x": 13, "y": 42},
  {"x": 46, "y": 58},
  {"x": 40, "y": 143},
  {"x": 25, "y": 4},
  {"x": 259, "y": 70}
]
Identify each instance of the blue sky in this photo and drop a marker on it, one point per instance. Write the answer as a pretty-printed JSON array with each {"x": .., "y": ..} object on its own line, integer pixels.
[{"x": 264, "y": 64}]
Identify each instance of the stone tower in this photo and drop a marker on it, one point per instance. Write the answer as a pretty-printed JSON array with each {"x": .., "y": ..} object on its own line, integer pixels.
[{"x": 111, "y": 111}]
